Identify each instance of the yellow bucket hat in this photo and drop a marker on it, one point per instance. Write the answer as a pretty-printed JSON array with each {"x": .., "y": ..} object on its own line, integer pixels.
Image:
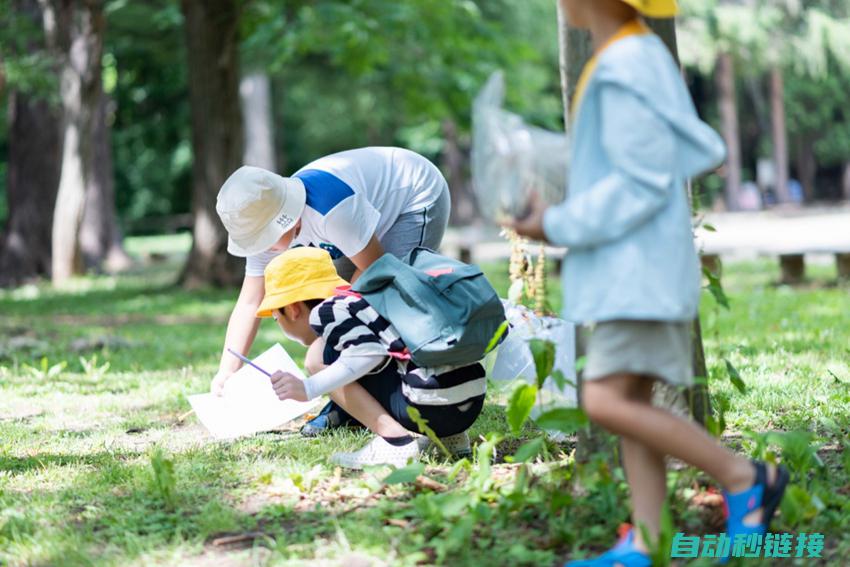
[
  {"x": 655, "y": 8},
  {"x": 299, "y": 274}
]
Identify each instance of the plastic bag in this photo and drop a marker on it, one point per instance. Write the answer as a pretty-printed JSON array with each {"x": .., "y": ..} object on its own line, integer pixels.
[
  {"x": 514, "y": 359},
  {"x": 511, "y": 160}
]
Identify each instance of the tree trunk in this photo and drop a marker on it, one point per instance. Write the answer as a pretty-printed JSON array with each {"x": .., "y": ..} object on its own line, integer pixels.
[
  {"x": 100, "y": 236},
  {"x": 807, "y": 165},
  {"x": 76, "y": 29},
  {"x": 32, "y": 177},
  {"x": 217, "y": 137},
  {"x": 255, "y": 93},
  {"x": 697, "y": 397},
  {"x": 780, "y": 135},
  {"x": 729, "y": 124},
  {"x": 845, "y": 181},
  {"x": 455, "y": 165},
  {"x": 666, "y": 30},
  {"x": 575, "y": 50}
]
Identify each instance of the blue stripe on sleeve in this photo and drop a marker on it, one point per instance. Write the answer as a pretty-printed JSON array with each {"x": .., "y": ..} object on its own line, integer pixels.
[{"x": 324, "y": 190}]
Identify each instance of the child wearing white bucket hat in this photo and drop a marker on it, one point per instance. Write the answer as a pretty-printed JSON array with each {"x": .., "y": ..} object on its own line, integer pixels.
[{"x": 356, "y": 205}]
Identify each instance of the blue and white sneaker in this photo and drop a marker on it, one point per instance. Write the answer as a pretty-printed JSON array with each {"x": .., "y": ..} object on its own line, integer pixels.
[{"x": 331, "y": 417}]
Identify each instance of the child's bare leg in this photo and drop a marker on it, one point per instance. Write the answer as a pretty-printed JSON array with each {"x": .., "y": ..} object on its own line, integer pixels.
[
  {"x": 663, "y": 432},
  {"x": 646, "y": 472},
  {"x": 364, "y": 408},
  {"x": 607, "y": 401}
]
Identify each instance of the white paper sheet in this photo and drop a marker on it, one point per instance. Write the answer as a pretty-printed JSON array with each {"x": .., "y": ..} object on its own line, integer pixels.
[{"x": 248, "y": 404}]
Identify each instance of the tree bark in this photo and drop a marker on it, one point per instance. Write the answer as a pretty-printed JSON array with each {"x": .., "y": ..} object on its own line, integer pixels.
[
  {"x": 575, "y": 50},
  {"x": 211, "y": 29},
  {"x": 255, "y": 93},
  {"x": 780, "y": 135},
  {"x": 697, "y": 396},
  {"x": 807, "y": 165},
  {"x": 100, "y": 236},
  {"x": 725, "y": 75},
  {"x": 666, "y": 30},
  {"x": 845, "y": 181},
  {"x": 32, "y": 180},
  {"x": 455, "y": 165},
  {"x": 32, "y": 177},
  {"x": 76, "y": 28}
]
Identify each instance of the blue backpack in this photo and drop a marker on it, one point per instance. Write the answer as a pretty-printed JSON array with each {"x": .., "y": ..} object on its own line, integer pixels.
[{"x": 445, "y": 311}]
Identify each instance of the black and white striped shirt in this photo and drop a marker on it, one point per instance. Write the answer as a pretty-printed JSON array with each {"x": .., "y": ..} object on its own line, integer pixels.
[{"x": 351, "y": 327}]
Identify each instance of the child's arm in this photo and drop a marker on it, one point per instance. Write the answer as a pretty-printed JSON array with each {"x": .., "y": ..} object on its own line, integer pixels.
[
  {"x": 345, "y": 370},
  {"x": 640, "y": 146}
]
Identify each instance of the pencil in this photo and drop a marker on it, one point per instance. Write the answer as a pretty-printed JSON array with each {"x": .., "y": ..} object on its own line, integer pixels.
[{"x": 247, "y": 361}]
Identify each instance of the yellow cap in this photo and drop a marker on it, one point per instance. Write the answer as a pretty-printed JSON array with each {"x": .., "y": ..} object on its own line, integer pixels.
[
  {"x": 297, "y": 275},
  {"x": 655, "y": 8}
]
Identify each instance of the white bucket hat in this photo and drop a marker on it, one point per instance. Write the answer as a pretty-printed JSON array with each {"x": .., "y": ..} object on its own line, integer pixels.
[{"x": 256, "y": 207}]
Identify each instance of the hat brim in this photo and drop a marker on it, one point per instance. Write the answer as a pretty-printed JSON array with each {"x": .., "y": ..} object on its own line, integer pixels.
[
  {"x": 291, "y": 209},
  {"x": 321, "y": 289},
  {"x": 658, "y": 9}
]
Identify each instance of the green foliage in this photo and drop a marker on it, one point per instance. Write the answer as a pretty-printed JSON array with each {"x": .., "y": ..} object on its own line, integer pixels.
[
  {"x": 520, "y": 405},
  {"x": 405, "y": 474},
  {"x": 163, "y": 479},
  {"x": 422, "y": 424},
  {"x": 735, "y": 377},
  {"x": 527, "y": 451},
  {"x": 543, "y": 353},
  {"x": 78, "y": 484},
  {"x": 500, "y": 332},
  {"x": 715, "y": 287},
  {"x": 45, "y": 370},
  {"x": 565, "y": 420}
]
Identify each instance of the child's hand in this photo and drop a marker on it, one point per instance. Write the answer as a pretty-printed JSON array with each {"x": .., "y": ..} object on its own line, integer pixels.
[
  {"x": 288, "y": 387},
  {"x": 217, "y": 384},
  {"x": 531, "y": 225}
]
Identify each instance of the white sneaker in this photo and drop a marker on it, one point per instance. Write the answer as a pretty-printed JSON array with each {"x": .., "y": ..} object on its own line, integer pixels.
[
  {"x": 458, "y": 444},
  {"x": 379, "y": 452}
]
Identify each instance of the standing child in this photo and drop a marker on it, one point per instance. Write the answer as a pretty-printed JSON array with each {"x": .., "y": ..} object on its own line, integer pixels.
[{"x": 632, "y": 269}]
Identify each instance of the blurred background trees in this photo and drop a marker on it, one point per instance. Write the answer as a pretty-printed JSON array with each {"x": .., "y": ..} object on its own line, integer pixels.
[{"x": 157, "y": 124}]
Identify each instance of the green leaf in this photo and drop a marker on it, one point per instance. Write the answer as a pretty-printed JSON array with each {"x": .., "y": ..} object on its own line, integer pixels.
[
  {"x": 581, "y": 362},
  {"x": 498, "y": 336},
  {"x": 405, "y": 474},
  {"x": 422, "y": 424},
  {"x": 709, "y": 227},
  {"x": 559, "y": 379},
  {"x": 716, "y": 288},
  {"x": 565, "y": 420},
  {"x": 519, "y": 406},
  {"x": 527, "y": 451},
  {"x": 735, "y": 378},
  {"x": 543, "y": 353}
]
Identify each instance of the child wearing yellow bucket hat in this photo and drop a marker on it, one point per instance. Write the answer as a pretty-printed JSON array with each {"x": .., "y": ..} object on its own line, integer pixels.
[
  {"x": 357, "y": 357},
  {"x": 357, "y": 204},
  {"x": 632, "y": 271}
]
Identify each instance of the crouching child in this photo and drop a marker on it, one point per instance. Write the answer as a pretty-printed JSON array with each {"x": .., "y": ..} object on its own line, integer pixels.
[{"x": 358, "y": 358}]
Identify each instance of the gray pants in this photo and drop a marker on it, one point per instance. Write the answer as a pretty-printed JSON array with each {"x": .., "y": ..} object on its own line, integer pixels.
[{"x": 424, "y": 227}]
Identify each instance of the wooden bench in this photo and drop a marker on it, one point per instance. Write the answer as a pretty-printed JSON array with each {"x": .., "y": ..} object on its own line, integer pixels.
[{"x": 792, "y": 264}]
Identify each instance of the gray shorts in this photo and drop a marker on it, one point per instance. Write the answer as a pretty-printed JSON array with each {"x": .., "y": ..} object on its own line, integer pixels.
[
  {"x": 659, "y": 349},
  {"x": 424, "y": 227}
]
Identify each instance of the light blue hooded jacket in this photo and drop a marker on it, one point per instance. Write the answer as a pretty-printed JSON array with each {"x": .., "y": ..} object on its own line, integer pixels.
[{"x": 626, "y": 220}]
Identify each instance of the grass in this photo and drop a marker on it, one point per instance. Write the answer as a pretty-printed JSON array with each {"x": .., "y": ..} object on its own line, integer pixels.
[{"x": 96, "y": 468}]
